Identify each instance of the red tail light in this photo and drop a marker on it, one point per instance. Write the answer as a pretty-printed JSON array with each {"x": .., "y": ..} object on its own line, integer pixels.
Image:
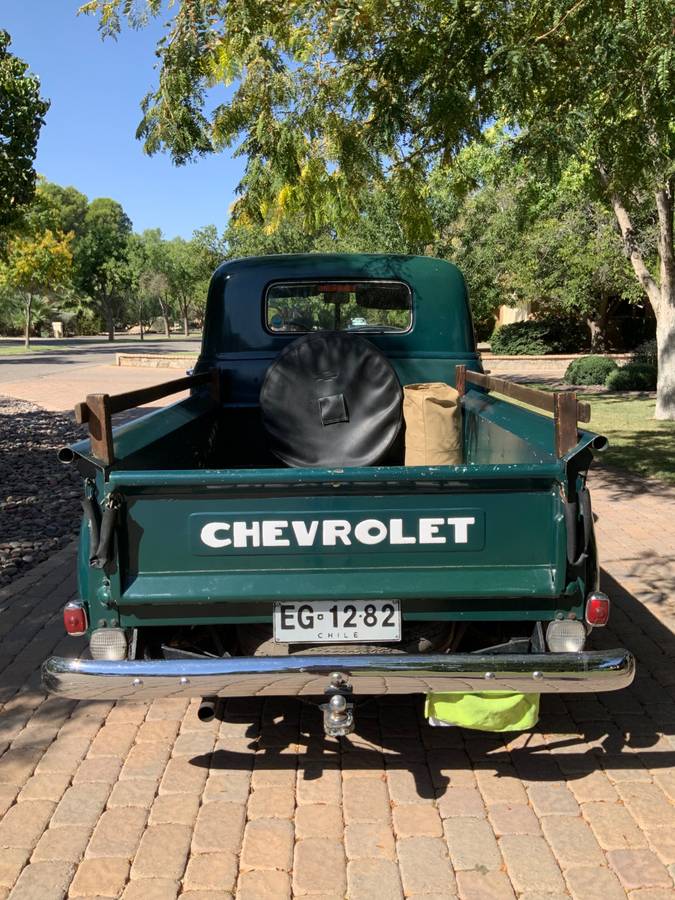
[
  {"x": 75, "y": 618},
  {"x": 597, "y": 609}
]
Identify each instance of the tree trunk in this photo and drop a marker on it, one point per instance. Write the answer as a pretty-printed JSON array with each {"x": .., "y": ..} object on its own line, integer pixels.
[
  {"x": 186, "y": 325},
  {"x": 661, "y": 295},
  {"x": 29, "y": 305},
  {"x": 665, "y": 315},
  {"x": 665, "y": 345},
  {"x": 164, "y": 306},
  {"x": 598, "y": 327},
  {"x": 110, "y": 323},
  {"x": 596, "y": 340}
]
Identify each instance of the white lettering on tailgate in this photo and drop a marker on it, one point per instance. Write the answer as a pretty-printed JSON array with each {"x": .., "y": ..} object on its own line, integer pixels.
[{"x": 282, "y": 533}]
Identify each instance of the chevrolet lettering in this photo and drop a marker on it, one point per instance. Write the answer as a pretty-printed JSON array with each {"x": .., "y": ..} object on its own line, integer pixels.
[
  {"x": 296, "y": 534},
  {"x": 342, "y": 504}
]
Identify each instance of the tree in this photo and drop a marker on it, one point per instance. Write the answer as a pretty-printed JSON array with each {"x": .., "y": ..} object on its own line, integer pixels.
[
  {"x": 59, "y": 208},
  {"x": 185, "y": 276},
  {"x": 36, "y": 266},
  {"x": 327, "y": 97},
  {"x": 22, "y": 113},
  {"x": 209, "y": 250},
  {"x": 520, "y": 240},
  {"x": 570, "y": 259},
  {"x": 154, "y": 286},
  {"x": 378, "y": 228},
  {"x": 155, "y": 275},
  {"x": 138, "y": 302},
  {"x": 101, "y": 258}
]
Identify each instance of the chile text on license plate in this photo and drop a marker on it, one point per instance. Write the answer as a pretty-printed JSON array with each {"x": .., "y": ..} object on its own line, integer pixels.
[{"x": 337, "y": 621}]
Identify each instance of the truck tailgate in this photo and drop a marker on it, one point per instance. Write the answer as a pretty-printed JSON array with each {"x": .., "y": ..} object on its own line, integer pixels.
[{"x": 211, "y": 541}]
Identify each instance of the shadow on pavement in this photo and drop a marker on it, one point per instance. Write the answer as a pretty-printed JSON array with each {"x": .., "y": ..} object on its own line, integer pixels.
[
  {"x": 617, "y": 732},
  {"x": 95, "y": 353},
  {"x": 649, "y": 449}
]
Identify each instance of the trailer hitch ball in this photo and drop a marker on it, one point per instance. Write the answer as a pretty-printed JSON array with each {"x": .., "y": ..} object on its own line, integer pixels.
[{"x": 338, "y": 716}]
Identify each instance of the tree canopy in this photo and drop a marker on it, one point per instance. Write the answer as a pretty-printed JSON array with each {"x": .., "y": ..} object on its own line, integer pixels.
[
  {"x": 37, "y": 265},
  {"x": 116, "y": 278},
  {"x": 328, "y": 95},
  {"x": 101, "y": 257},
  {"x": 22, "y": 113},
  {"x": 327, "y": 99}
]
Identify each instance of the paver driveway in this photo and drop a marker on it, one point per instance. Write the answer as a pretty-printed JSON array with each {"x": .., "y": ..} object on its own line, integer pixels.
[{"x": 144, "y": 801}]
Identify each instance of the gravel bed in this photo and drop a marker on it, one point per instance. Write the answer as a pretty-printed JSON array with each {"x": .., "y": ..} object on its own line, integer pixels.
[{"x": 39, "y": 497}]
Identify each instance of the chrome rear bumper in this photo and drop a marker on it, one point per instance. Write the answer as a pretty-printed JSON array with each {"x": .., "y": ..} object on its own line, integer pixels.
[{"x": 272, "y": 676}]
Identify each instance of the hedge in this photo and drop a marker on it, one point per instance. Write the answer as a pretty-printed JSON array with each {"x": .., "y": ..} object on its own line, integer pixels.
[
  {"x": 590, "y": 370},
  {"x": 532, "y": 338},
  {"x": 633, "y": 377}
]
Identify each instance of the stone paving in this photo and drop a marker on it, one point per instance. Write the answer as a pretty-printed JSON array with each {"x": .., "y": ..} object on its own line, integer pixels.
[
  {"x": 59, "y": 391},
  {"x": 144, "y": 801}
]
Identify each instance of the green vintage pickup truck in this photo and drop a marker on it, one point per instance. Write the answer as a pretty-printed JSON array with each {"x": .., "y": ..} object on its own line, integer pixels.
[{"x": 274, "y": 534}]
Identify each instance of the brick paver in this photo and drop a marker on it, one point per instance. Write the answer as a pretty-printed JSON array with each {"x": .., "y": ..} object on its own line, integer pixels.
[
  {"x": 59, "y": 392},
  {"x": 143, "y": 801}
]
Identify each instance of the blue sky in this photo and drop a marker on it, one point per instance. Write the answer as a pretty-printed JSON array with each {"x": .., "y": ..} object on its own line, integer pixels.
[{"x": 95, "y": 88}]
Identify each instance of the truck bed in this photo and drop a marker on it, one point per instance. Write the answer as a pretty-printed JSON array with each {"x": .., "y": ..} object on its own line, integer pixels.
[{"x": 184, "y": 466}]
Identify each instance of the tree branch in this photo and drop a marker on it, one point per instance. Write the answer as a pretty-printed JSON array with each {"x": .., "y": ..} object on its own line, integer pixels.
[
  {"x": 644, "y": 276},
  {"x": 542, "y": 37}
]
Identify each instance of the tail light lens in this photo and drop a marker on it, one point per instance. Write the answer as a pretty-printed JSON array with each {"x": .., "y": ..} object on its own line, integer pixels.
[
  {"x": 597, "y": 609},
  {"x": 75, "y": 618}
]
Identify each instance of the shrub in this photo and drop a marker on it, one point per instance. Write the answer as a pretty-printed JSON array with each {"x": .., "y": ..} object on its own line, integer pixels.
[
  {"x": 565, "y": 335},
  {"x": 532, "y": 338},
  {"x": 519, "y": 339},
  {"x": 632, "y": 377},
  {"x": 590, "y": 370},
  {"x": 646, "y": 354}
]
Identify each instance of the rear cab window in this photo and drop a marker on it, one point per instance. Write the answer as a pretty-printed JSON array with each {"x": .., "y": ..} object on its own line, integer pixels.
[{"x": 335, "y": 305}]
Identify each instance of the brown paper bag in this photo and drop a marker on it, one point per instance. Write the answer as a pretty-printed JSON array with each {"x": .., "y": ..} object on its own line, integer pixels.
[{"x": 433, "y": 425}]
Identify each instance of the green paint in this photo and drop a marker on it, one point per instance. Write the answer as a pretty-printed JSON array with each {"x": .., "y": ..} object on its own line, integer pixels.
[{"x": 509, "y": 563}]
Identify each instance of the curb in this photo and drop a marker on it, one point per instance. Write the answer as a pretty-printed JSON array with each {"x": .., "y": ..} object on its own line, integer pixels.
[
  {"x": 552, "y": 357},
  {"x": 156, "y": 360}
]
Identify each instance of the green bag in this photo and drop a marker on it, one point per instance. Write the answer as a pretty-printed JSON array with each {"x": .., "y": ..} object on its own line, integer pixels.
[{"x": 489, "y": 711}]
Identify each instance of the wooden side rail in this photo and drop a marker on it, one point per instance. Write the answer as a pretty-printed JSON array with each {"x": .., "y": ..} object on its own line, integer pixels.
[
  {"x": 98, "y": 409},
  {"x": 567, "y": 410}
]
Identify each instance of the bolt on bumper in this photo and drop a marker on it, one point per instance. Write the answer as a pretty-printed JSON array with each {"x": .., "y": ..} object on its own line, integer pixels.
[{"x": 274, "y": 676}]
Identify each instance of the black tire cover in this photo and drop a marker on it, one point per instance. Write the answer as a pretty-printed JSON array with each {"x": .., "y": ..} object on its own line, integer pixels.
[{"x": 331, "y": 399}]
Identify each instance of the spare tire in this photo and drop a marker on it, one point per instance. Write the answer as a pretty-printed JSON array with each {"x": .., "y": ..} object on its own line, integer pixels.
[{"x": 331, "y": 399}]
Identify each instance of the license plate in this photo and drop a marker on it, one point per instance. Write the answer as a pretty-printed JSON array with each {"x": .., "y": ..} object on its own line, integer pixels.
[{"x": 337, "y": 621}]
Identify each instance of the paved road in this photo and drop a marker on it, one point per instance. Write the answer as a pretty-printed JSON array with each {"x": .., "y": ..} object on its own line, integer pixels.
[
  {"x": 78, "y": 353},
  {"x": 144, "y": 801},
  {"x": 57, "y": 380}
]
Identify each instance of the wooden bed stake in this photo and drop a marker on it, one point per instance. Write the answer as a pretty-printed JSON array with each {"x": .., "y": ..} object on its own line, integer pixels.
[
  {"x": 460, "y": 380},
  {"x": 98, "y": 409},
  {"x": 567, "y": 410}
]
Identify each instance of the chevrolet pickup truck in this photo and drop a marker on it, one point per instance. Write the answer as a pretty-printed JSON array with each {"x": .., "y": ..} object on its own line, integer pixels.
[{"x": 266, "y": 535}]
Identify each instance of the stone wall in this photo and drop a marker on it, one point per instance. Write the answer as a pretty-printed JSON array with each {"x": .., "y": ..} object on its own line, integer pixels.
[{"x": 532, "y": 367}]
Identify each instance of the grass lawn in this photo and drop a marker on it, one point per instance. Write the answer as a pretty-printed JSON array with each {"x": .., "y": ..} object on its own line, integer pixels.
[
  {"x": 13, "y": 350},
  {"x": 123, "y": 343},
  {"x": 637, "y": 441}
]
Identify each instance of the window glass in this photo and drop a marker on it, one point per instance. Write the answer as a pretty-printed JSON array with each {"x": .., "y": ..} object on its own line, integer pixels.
[{"x": 365, "y": 306}]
